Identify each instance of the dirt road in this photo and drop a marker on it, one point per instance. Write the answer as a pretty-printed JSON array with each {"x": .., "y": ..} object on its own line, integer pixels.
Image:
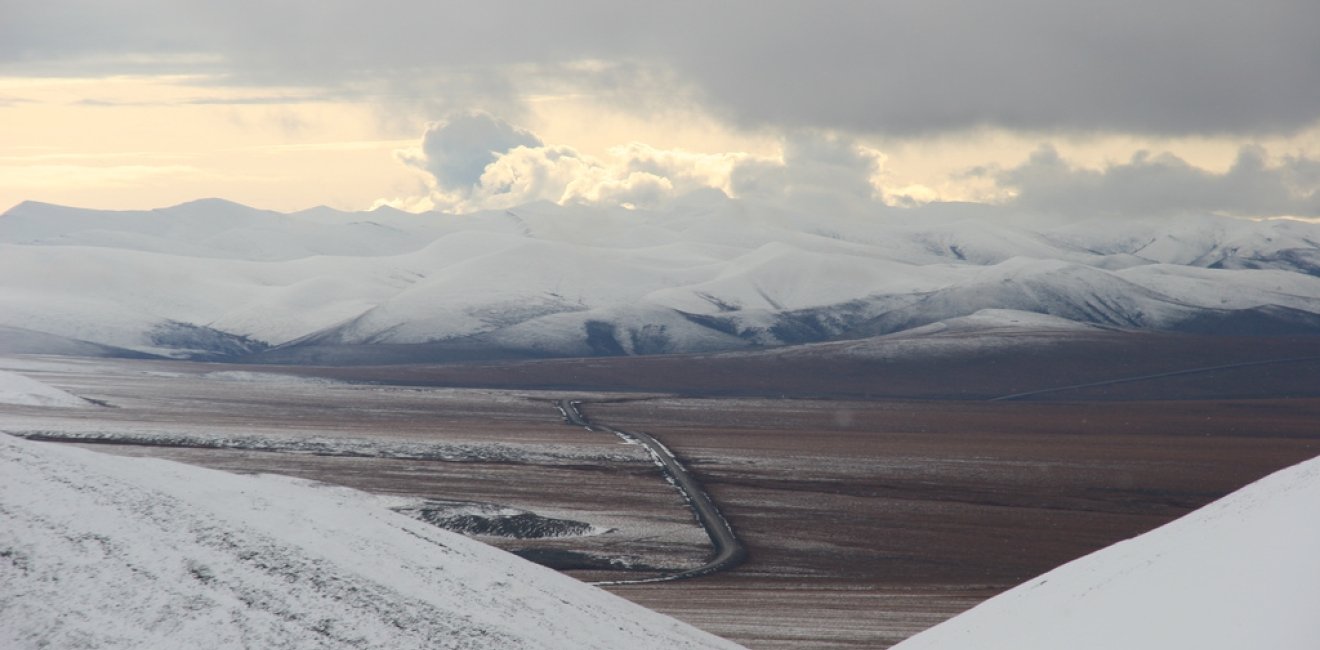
[{"x": 729, "y": 552}]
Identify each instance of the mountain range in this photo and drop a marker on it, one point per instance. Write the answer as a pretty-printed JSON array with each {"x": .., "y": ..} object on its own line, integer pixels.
[{"x": 215, "y": 280}]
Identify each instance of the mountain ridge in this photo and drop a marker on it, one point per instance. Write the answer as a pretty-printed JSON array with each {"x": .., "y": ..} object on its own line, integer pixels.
[{"x": 215, "y": 280}]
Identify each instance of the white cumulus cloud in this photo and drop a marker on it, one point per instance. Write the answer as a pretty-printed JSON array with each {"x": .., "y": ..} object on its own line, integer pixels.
[
  {"x": 456, "y": 151},
  {"x": 476, "y": 161}
]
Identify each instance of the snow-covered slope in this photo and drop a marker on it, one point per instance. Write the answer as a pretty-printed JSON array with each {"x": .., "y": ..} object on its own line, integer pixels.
[
  {"x": 213, "y": 279},
  {"x": 100, "y": 551},
  {"x": 1242, "y": 572},
  {"x": 20, "y": 390}
]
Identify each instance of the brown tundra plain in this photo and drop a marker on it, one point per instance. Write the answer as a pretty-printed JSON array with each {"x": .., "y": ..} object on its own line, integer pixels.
[{"x": 875, "y": 495}]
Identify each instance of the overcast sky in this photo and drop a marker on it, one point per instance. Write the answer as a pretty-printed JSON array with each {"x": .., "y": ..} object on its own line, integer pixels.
[{"x": 1067, "y": 107}]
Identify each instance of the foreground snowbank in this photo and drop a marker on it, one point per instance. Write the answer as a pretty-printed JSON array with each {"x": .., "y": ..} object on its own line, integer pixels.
[
  {"x": 1243, "y": 572},
  {"x": 99, "y": 551}
]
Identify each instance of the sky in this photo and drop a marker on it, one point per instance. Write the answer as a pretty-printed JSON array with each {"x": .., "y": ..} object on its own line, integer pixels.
[{"x": 1054, "y": 107}]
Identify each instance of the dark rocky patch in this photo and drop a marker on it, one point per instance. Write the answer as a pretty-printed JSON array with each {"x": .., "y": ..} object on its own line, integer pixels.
[
  {"x": 565, "y": 560},
  {"x": 493, "y": 521},
  {"x": 602, "y": 338},
  {"x": 651, "y": 339},
  {"x": 204, "y": 343},
  {"x": 1269, "y": 320}
]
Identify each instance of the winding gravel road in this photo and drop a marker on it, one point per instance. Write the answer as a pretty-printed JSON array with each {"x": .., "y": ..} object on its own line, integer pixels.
[{"x": 729, "y": 552}]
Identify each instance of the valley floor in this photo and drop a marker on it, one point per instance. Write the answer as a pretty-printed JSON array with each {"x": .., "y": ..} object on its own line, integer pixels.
[{"x": 866, "y": 520}]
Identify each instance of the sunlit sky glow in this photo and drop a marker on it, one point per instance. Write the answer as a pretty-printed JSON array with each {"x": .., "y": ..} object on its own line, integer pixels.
[{"x": 1187, "y": 106}]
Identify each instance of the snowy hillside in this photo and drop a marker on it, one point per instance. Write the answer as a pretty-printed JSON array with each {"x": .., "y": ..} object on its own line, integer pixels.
[
  {"x": 212, "y": 279},
  {"x": 100, "y": 551},
  {"x": 1239, "y": 573}
]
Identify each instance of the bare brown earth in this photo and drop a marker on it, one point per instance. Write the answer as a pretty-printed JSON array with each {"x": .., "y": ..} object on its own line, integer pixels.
[
  {"x": 866, "y": 520},
  {"x": 522, "y": 454},
  {"x": 898, "y": 512},
  {"x": 959, "y": 366}
]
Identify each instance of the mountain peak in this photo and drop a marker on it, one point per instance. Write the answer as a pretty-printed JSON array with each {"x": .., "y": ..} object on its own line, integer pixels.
[
  {"x": 30, "y": 207},
  {"x": 211, "y": 204}
]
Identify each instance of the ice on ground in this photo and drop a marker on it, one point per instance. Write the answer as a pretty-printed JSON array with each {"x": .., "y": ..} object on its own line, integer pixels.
[
  {"x": 266, "y": 377},
  {"x": 21, "y": 390},
  {"x": 101, "y": 551},
  {"x": 987, "y": 320},
  {"x": 1242, "y": 572}
]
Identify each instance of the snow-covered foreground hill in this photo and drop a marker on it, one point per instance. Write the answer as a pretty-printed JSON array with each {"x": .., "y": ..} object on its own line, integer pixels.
[
  {"x": 212, "y": 279},
  {"x": 1242, "y": 572},
  {"x": 100, "y": 551}
]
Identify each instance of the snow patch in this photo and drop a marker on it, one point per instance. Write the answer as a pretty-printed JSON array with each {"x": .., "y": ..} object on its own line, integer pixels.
[
  {"x": 267, "y": 378},
  {"x": 1000, "y": 319},
  {"x": 20, "y": 390}
]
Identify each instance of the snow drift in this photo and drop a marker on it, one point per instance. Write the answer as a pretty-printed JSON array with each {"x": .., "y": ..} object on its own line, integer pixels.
[
  {"x": 100, "y": 551},
  {"x": 1242, "y": 572}
]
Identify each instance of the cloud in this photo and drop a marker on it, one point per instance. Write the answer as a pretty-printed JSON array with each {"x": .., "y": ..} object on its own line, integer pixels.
[
  {"x": 633, "y": 175},
  {"x": 917, "y": 66},
  {"x": 1165, "y": 184},
  {"x": 476, "y": 161},
  {"x": 457, "y": 151},
  {"x": 815, "y": 171},
  {"x": 563, "y": 175},
  {"x": 40, "y": 177},
  {"x": 899, "y": 67}
]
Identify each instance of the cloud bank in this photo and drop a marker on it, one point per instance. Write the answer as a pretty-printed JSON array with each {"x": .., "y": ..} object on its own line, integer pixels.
[
  {"x": 1156, "y": 184},
  {"x": 902, "y": 67},
  {"x": 476, "y": 161},
  {"x": 831, "y": 81}
]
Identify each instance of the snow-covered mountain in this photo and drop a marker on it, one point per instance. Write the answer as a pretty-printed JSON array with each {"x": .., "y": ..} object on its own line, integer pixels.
[
  {"x": 100, "y": 551},
  {"x": 1241, "y": 572},
  {"x": 212, "y": 279}
]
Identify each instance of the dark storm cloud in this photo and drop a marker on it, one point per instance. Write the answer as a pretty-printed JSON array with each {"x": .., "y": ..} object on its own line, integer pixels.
[
  {"x": 457, "y": 151},
  {"x": 1165, "y": 184},
  {"x": 818, "y": 172},
  {"x": 902, "y": 68},
  {"x": 1169, "y": 67}
]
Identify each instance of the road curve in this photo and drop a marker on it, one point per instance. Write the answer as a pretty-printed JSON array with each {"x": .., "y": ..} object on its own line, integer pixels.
[{"x": 729, "y": 552}]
